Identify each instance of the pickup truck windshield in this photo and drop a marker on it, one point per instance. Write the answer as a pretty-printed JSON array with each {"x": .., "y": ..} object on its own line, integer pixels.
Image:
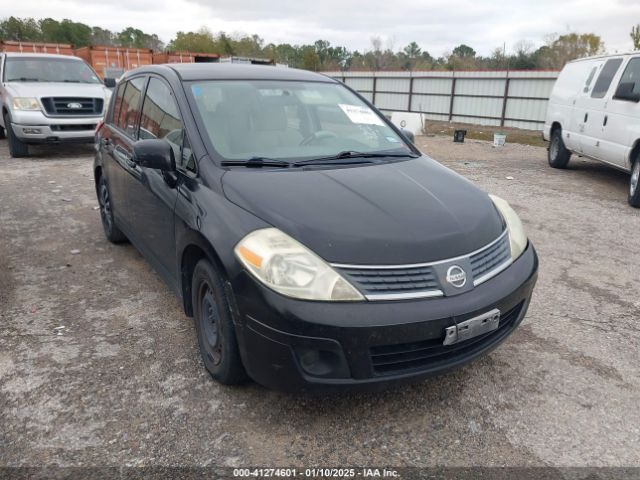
[
  {"x": 290, "y": 120},
  {"x": 40, "y": 69}
]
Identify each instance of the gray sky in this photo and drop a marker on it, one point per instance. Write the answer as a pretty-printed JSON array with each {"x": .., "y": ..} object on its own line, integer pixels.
[{"x": 437, "y": 26}]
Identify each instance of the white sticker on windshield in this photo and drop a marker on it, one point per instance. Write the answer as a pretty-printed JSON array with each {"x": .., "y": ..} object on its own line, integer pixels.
[{"x": 358, "y": 114}]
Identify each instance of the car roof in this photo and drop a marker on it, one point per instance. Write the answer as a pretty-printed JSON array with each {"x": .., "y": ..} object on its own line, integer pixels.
[
  {"x": 231, "y": 71},
  {"x": 41, "y": 55},
  {"x": 607, "y": 55}
]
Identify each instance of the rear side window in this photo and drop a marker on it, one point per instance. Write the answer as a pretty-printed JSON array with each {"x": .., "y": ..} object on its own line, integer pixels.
[
  {"x": 632, "y": 74},
  {"x": 130, "y": 106},
  {"x": 606, "y": 76},
  {"x": 587, "y": 84},
  {"x": 115, "y": 114}
]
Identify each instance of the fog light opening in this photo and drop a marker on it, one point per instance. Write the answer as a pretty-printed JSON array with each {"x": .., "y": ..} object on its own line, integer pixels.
[
  {"x": 320, "y": 363},
  {"x": 32, "y": 131}
]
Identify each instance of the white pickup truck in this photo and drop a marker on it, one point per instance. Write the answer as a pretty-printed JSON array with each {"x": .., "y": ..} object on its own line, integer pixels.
[
  {"x": 594, "y": 111},
  {"x": 49, "y": 99}
]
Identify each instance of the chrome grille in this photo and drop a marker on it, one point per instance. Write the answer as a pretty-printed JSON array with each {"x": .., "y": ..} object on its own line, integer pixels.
[
  {"x": 396, "y": 282},
  {"x": 60, "y": 106},
  {"x": 491, "y": 260},
  {"x": 414, "y": 282}
]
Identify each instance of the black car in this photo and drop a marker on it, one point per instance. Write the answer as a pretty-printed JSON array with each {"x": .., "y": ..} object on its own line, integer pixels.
[{"x": 314, "y": 245}]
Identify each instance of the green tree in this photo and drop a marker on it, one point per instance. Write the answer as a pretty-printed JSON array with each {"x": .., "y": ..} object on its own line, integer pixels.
[
  {"x": 464, "y": 51},
  {"x": 20, "y": 30},
  {"x": 635, "y": 36},
  {"x": 200, "y": 41}
]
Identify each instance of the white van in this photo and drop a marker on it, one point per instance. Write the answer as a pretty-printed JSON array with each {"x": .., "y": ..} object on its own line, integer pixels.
[{"x": 594, "y": 112}]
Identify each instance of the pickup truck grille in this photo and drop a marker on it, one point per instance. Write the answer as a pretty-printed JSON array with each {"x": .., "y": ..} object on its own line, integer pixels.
[{"x": 72, "y": 106}]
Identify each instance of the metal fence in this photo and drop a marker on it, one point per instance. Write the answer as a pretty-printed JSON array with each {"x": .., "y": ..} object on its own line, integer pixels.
[{"x": 500, "y": 98}]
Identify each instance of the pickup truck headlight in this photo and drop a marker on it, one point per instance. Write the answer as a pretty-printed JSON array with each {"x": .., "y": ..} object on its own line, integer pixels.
[
  {"x": 288, "y": 267},
  {"x": 517, "y": 237},
  {"x": 25, "y": 103}
]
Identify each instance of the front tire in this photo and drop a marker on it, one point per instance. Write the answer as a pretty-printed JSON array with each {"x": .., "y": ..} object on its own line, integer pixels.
[
  {"x": 111, "y": 230},
  {"x": 17, "y": 148},
  {"x": 558, "y": 154},
  {"x": 214, "y": 325},
  {"x": 2, "y": 133},
  {"x": 634, "y": 184}
]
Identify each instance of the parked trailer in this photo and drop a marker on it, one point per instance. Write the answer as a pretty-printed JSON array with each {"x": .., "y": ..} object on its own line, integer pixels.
[
  {"x": 36, "y": 47},
  {"x": 185, "y": 57},
  {"x": 114, "y": 61}
]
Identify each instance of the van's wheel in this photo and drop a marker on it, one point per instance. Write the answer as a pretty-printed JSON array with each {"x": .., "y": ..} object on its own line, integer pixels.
[
  {"x": 2, "y": 134},
  {"x": 17, "y": 148},
  {"x": 111, "y": 230},
  {"x": 634, "y": 184},
  {"x": 214, "y": 325},
  {"x": 558, "y": 154}
]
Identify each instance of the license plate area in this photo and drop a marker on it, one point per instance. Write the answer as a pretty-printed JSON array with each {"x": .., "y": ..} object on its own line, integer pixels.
[{"x": 487, "y": 322}]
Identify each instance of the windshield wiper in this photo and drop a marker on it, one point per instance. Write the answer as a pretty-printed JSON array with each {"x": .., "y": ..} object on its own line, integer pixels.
[
  {"x": 256, "y": 162},
  {"x": 23, "y": 79},
  {"x": 346, "y": 155}
]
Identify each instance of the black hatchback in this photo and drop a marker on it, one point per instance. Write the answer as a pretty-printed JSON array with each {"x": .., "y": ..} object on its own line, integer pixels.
[{"x": 314, "y": 245}]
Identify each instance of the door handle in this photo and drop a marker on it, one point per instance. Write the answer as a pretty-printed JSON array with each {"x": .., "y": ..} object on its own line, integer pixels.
[
  {"x": 586, "y": 117},
  {"x": 606, "y": 117}
]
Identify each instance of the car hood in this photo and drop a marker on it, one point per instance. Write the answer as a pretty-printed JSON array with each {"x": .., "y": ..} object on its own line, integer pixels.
[
  {"x": 56, "y": 89},
  {"x": 395, "y": 213}
]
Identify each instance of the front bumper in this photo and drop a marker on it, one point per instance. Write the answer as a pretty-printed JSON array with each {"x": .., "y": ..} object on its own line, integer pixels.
[
  {"x": 290, "y": 344},
  {"x": 35, "y": 127}
]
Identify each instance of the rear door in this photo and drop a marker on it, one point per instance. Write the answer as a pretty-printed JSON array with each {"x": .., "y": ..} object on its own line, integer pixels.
[
  {"x": 622, "y": 118},
  {"x": 117, "y": 144},
  {"x": 595, "y": 113},
  {"x": 581, "y": 105},
  {"x": 152, "y": 194}
]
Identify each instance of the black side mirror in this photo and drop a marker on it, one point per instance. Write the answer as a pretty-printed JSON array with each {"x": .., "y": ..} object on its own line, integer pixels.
[
  {"x": 408, "y": 135},
  {"x": 154, "y": 153},
  {"x": 625, "y": 91},
  {"x": 110, "y": 82}
]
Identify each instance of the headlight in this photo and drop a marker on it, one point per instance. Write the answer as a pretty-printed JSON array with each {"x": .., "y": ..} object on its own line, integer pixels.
[
  {"x": 25, "y": 103},
  {"x": 517, "y": 237},
  {"x": 290, "y": 268}
]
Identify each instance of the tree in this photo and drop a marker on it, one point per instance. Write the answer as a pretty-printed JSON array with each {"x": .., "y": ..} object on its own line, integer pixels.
[
  {"x": 20, "y": 30},
  {"x": 635, "y": 37},
  {"x": 564, "y": 48},
  {"x": 464, "y": 51},
  {"x": 200, "y": 41}
]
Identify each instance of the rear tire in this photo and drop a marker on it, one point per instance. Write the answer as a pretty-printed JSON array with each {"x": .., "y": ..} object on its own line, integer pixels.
[
  {"x": 2, "y": 134},
  {"x": 214, "y": 325},
  {"x": 17, "y": 148},
  {"x": 558, "y": 154},
  {"x": 111, "y": 230},
  {"x": 634, "y": 184}
]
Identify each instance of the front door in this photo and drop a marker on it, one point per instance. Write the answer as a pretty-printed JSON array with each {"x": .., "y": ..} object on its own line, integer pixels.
[{"x": 152, "y": 195}]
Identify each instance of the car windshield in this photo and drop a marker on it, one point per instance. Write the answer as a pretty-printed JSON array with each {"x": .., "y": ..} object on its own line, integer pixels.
[
  {"x": 40, "y": 69},
  {"x": 290, "y": 120}
]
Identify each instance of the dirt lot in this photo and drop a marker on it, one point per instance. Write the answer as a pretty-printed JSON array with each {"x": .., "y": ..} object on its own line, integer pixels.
[{"x": 99, "y": 366}]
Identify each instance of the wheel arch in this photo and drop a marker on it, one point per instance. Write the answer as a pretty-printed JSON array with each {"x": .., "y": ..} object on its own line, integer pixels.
[
  {"x": 634, "y": 154},
  {"x": 194, "y": 249}
]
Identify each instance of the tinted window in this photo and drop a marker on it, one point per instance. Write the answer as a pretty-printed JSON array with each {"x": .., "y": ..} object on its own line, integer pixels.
[
  {"x": 130, "y": 106},
  {"x": 115, "y": 114},
  {"x": 160, "y": 116},
  {"x": 632, "y": 74},
  {"x": 606, "y": 76}
]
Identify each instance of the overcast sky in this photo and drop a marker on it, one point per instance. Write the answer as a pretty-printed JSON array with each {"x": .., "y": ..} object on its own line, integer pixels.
[{"x": 437, "y": 26}]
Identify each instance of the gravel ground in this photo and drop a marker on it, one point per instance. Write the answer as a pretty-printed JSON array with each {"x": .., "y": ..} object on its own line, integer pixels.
[{"x": 99, "y": 366}]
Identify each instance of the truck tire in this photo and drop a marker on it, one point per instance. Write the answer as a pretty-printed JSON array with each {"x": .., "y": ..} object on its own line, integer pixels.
[
  {"x": 17, "y": 148},
  {"x": 558, "y": 154},
  {"x": 634, "y": 184},
  {"x": 214, "y": 325}
]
